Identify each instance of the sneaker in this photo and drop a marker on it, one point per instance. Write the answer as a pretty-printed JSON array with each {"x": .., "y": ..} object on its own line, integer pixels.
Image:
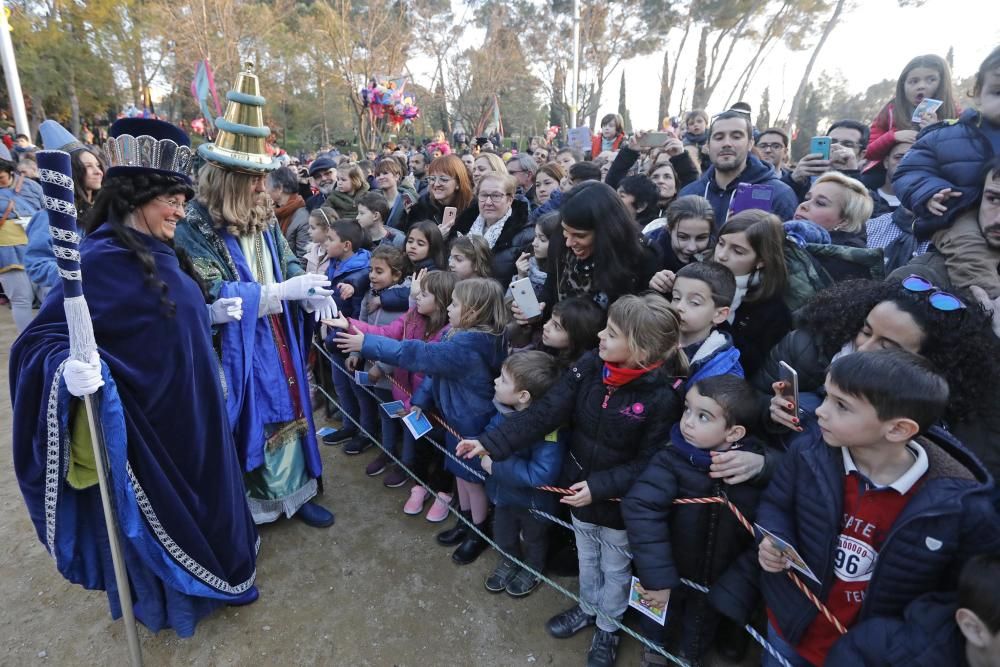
[
  {"x": 523, "y": 584},
  {"x": 652, "y": 658},
  {"x": 357, "y": 444},
  {"x": 396, "y": 477},
  {"x": 415, "y": 503},
  {"x": 377, "y": 466},
  {"x": 603, "y": 649},
  {"x": 339, "y": 436},
  {"x": 569, "y": 622},
  {"x": 501, "y": 575},
  {"x": 439, "y": 510}
]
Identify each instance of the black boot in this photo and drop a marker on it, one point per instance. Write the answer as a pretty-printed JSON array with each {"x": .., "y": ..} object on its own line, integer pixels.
[
  {"x": 455, "y": 535},
  {"x": 469, "y": 550}
]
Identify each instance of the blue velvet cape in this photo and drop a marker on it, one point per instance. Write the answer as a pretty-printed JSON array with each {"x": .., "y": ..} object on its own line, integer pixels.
[{"x": 189, "y": 540}]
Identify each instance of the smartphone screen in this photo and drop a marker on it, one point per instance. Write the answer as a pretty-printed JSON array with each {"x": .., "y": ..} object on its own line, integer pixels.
[
  {"x": 790, "y": 378},
  {"x": 820, "y": 145}
]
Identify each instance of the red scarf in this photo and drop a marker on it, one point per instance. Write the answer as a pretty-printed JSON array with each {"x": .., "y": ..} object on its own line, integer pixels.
[
  {"x": 285, "y": 213},
  {"x": 616, "y": 376}
]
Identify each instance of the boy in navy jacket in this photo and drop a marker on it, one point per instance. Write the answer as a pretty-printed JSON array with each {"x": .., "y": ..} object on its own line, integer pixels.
[
  {"x": 524, "y": 377},
  {"x": 880, "y": 513},
  {"x": 702, "y": 296},
  {"x": 700, "y": 541}
]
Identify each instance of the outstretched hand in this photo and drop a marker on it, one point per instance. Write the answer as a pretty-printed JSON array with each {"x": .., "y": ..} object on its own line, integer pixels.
[
  {"x": 938, "y": 204},
  {"x": 350, "y": 341}
]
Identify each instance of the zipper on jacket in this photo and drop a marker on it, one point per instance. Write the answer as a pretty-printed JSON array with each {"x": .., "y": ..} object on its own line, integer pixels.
[{"x": 607, "y": 397}]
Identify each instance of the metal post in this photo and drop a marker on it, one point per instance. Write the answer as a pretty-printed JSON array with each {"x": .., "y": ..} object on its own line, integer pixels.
[
  {"x": 10, "y": 73},
  {"x": 574, "y": 104},
  {"x": 117, "y": 555}
]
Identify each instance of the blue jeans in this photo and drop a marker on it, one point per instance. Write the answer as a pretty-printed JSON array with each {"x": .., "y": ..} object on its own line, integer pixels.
[
  {"x": 784, "y": 648},
  {"x": 343, "y": 380},
  {"x": 372, "y": 413},
  {"x": 605, "y": 574}
]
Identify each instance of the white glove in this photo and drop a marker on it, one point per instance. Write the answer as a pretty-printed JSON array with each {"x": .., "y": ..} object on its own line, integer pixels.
[
  {"x": 83, "y": 378},
  {"x": 325, "y": 308},
  {"x": 226, "y": 309},
  {"x": 304, "y": 286}
]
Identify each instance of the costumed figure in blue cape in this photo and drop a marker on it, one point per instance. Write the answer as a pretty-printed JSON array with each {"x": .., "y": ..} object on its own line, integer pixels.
[
  {"x": 237, "y": 247},
  {"x": 188, "y": 537}
]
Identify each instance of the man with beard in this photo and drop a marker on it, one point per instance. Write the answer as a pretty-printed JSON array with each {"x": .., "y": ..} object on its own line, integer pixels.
[
  {"x": 730, "y": 139},
  {"x": 238, "y": 249},
  {"x": 418, "y": 167},
  {"x": 323, "y": 174},
  {"x": 956, "y": 270}
]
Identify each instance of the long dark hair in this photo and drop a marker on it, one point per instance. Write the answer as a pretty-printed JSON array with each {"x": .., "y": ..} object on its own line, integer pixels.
[
  {"x": 766, "y": 236},
  {"x": 118, "y": 198},
  {"x": 902, "y": 109},
  {"x": 595, "y": 206},
  {"x": 79, "y": 172},
  {"x": 960, "y": 344}
]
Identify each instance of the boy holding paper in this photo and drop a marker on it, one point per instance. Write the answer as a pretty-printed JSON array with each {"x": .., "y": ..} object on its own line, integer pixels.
[{"x": 882, "y": 507}]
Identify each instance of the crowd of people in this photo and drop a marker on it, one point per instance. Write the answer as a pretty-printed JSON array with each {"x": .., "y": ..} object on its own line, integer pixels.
[{"x": 814, "y": 340}]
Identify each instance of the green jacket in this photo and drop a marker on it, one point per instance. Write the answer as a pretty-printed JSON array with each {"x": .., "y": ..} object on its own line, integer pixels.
[{"x": 344, "y": 204}]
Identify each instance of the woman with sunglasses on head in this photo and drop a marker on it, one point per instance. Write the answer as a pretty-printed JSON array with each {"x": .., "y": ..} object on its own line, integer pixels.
[{"x": 912, "y": 315}]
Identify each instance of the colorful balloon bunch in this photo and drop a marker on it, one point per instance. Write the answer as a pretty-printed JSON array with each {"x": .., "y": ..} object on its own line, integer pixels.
[{"x": 386, "y": 100}]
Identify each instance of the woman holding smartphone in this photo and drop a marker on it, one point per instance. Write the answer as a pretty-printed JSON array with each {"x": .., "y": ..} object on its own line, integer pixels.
[{"x": 448, "y": 188}]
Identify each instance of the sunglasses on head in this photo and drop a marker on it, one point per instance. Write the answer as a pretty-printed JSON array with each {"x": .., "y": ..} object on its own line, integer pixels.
[{"x": 939, "y": 300}]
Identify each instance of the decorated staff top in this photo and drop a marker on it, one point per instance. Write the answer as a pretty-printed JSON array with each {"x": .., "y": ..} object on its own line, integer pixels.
[{"x": 57, "y": 185}]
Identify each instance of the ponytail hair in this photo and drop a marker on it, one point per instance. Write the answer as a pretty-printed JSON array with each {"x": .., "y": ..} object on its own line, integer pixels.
[{"x": 652, "y": 330}]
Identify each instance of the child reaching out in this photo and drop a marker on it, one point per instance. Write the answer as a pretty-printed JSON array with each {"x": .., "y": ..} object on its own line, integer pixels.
[
  {"x": 696, "y": 542},
  {"x": 426, "y": 321},
  {"x": 619, "y": 404},
  {"x": 524, "y": 378},
  {"x": 471, "y": 257},
  {"x": 460, "y": 368},
  {"x": 386, "y": 271},
  {"x": 882, "y": 507}
]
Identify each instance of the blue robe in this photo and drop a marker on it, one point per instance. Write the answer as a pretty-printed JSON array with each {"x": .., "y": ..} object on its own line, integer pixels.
[
  {"x": 189, "y": 539},
  {"x": 268, "y": 402}
]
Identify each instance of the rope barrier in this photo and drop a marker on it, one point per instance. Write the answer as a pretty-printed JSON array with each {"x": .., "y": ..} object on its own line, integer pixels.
[
  {"x": 812, "y": 597},
  {"x": 471, "y": 526}
]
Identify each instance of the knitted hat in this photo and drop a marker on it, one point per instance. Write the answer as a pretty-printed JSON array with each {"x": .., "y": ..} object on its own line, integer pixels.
[
  {"x": 55, "y": 137},
  {"x": 143, "y": 145},
  {"x": 242, "y": 133}
]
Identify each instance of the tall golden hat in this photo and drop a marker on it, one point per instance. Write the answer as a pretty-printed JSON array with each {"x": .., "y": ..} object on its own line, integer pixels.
[{"x": 242, "y": 133}]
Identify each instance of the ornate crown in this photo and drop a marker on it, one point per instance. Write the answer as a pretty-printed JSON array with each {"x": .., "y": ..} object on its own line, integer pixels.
[{"x": 146, "y": 152}]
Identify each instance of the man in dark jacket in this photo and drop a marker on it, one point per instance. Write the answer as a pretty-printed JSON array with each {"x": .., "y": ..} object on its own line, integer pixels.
[
  {"x": 323, "y": 174},
  {"x": 729, "y": 143},
  {"x": 848, "y": 141}
]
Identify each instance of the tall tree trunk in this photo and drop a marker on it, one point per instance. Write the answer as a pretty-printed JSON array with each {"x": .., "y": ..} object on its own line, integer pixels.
[
  {"x": 698, "y": 99},
  {"x": 677, "y": 59},
  {"x": 664, "y": 109},
  {"x": 827, "y": 29},
  {"x": 74, "y": 108}
]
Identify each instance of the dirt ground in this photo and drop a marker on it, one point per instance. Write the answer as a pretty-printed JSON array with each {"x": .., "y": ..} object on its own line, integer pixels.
[{"x": 375, "y": 589}]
